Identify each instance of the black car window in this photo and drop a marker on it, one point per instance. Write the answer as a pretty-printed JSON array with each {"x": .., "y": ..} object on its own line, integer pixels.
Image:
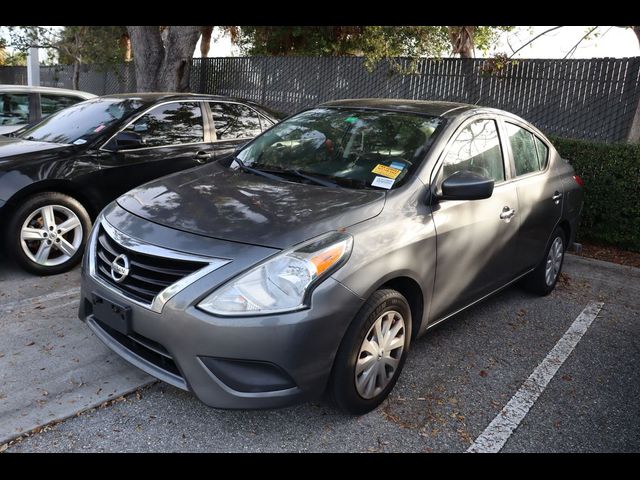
[
  {"x": 52, "y": 103},
  {"x": 170, "y": 124},
  {"x": 476, "y": 148},
  {"x": 14, "y": 108},
  {"x": 233, "y": 121},
  {"x": 523, "y": 149},
  {"x": 543, "y": 153}
]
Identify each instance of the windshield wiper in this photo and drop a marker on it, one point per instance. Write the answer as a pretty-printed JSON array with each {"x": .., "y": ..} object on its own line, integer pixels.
[
  {"x": 256, "y": 171},
  {"x": 316, "y": 180}
]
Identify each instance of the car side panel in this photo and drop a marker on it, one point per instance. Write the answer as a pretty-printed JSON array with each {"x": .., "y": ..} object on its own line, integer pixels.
[{"x": 399, "y": 242}]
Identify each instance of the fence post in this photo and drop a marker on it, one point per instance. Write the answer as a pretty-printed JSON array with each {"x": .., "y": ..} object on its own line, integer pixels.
[{"x": 634, "y": 131}]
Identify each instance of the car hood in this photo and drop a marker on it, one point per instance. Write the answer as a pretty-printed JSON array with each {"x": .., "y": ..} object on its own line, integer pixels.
[
  {"x": 14, "y": 148},
  {"x": 218, "y": 202}
]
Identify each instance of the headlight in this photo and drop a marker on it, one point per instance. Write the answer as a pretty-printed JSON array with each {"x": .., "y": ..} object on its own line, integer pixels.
[{"x": 281, "y": 283}]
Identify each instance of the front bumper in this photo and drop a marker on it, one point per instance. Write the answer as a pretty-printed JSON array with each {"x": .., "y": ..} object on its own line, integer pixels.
[{"x": 229, "y": 362}]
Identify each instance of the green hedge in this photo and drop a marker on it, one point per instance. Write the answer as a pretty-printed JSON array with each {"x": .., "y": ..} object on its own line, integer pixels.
[{"x": 611, "y": 173}]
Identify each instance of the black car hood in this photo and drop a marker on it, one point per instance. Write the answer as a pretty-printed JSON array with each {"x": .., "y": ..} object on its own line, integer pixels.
[
  {"x": 217, "y": 202},
  {"x": 14, "y": 148}
]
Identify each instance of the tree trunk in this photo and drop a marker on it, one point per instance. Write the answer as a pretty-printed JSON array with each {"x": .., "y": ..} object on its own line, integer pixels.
[
  {"x": 205, "y": 44},
  {"x": 125, "y": 44},
  {"x": 461, "y": 38},
  {"x": 163, "y": 60},
  {"x": 636, "y": 30},
  {"x": 76, "y": 75}
]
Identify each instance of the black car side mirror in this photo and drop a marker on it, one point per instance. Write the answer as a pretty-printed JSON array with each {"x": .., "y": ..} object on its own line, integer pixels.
[
  {"x": 128, "y": 140},
  {"x": 466, "y": 185}
]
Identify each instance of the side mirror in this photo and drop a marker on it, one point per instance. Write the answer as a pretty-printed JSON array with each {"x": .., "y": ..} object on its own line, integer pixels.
[
  {"x": 128, "y": 140},
  {"x": 466, "y": 185}
]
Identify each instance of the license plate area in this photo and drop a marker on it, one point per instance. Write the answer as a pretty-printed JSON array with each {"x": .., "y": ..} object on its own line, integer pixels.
[{"x": 113, "y": 314}]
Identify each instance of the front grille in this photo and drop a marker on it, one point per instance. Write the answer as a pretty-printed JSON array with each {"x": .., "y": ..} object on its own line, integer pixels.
[
  {"x": 144, "y": 347},
  {"x": 148, "y": 274}
]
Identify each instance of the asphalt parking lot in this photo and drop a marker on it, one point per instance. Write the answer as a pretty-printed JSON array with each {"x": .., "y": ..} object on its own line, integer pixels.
[{"x": 456, "y": 383}]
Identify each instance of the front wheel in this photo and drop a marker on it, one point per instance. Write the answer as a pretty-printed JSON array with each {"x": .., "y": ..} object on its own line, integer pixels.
[
  {"x": 47, "y": 233},
  {"x": 372, "y": 354},
  {"x": 543, "y": 279}
]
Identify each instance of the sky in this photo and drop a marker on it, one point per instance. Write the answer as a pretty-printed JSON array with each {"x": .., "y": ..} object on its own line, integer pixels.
[{"x": 611, "y": 42}]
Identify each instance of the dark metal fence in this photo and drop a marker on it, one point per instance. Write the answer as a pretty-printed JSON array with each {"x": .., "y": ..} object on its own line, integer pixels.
[{"x": 592, "y": 99}]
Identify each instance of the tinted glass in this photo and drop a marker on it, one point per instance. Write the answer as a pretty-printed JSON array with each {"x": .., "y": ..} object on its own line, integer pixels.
[
  {"x": 14, "y": 108},
  {"x": 52, "y": 103},
  {"x": 543, "y": 153},
  {"x": 353, "y": 148},
  {"x": 523, "y": 148},
  {"x": 477, "y": 149},
  {"x": 170, "y": 124},
  {"x": 81, "y": 122},
  {"x": 233, "y": 121}
]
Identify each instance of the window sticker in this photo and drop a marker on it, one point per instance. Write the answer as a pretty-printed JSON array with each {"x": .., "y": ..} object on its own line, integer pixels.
[
  {"x": 386, "y": 171},
  {"x": 99, "y": 127},
  {"x": 398, "y": 165},
  {"x": 383, "y": 182},
  {"x": 351, "y": 119},
  {"x": 80, "y": 141}
]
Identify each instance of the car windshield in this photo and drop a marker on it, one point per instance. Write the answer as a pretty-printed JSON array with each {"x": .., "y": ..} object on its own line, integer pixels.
[
  {"x": 352, "y": 148},
  {"x": 81, "y": 122}
]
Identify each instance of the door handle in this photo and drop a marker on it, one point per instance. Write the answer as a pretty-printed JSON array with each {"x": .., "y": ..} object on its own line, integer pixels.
[
  {"x": 556, "y": 197},
  {"x": 507, "y": 214},
  {"x": 202, "y": 157}
]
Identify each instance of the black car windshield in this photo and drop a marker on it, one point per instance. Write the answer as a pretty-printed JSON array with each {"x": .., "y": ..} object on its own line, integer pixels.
[
  {"x": 81, "y": 122},
  {"x": 354, "y": 148}
]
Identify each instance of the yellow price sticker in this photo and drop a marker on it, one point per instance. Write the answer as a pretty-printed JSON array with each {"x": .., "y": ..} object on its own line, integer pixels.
[{"x": 385, "y": 171}]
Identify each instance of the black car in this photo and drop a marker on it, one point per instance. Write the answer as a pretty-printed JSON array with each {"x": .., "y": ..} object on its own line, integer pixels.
[{"x": 56, "y": 176}]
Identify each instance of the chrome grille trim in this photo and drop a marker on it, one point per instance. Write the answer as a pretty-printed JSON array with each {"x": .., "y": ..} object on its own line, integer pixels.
[{"x": 131, "y": 243}]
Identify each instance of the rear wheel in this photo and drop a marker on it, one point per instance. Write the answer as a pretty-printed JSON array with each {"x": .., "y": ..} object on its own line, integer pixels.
[
  {"x": 372, "y": 354},
  {"x": 47, "y": 233},
  {"x": 543, "y": 279}
]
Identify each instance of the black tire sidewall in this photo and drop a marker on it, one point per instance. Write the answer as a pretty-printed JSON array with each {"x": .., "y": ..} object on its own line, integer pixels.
[
  {"x": 344, "y": 391},
  {"x": 18, "y": 218},
  {"x": 536, "y": 282}
]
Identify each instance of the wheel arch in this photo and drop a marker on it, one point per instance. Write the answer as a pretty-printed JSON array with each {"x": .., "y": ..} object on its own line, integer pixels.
[{"x": 65, "y": 187}]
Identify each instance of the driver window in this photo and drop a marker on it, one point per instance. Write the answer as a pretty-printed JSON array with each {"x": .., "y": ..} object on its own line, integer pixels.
[{"x": 477, "y": 149}]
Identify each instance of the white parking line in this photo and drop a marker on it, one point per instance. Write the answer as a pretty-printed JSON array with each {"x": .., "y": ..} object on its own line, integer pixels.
[
  {"x": 502, "y": 427},
  {"x": 10, "y": 306}
]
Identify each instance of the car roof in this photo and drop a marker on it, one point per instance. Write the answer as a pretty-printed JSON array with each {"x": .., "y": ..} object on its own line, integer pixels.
[
  {"x": 426, "y": 107},
  {"x": 156, "y": 96},
  {"x": 39, "y": 89}
]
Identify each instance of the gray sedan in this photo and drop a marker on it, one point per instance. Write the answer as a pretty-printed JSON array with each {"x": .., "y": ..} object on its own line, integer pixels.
[{"x": 310, "y": 259}]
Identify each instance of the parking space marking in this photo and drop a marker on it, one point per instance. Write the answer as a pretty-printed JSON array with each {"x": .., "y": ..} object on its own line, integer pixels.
[
  {"x": 504, "y": 424},
  {"x": 10, "y": 306}
]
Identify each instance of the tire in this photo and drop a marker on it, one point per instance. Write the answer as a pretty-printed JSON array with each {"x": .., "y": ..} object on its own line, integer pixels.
[
  {"x": 349, "y": 390},
  {"x": 47, "y": 249},
  {"x": 540, "y": 281}
]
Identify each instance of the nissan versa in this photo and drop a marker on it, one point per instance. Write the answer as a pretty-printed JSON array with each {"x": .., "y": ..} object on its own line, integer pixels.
[{"x": 309, "y": 259}]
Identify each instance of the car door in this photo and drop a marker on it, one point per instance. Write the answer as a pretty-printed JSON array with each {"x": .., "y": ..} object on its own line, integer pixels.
[
  {"x": 235, "y": 124},
  {"x": 476, "y": 239},
  {"x": 172, "y": 136},
  {"x": 539, "y": 191}
]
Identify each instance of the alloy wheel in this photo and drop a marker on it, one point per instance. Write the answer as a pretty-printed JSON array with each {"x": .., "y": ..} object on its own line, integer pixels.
[{"x": 51, "y": 235}]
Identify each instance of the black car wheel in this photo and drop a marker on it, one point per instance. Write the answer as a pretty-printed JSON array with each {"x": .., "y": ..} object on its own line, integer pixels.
[
  {"x": 372, "y": 353},
  {"x": 47, "y": 233},
  {"x": 543, "y": 279}
]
